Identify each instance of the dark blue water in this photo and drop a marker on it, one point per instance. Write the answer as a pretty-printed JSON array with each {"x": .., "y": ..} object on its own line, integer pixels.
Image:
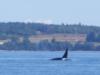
[{"x": 38, "y": 63}]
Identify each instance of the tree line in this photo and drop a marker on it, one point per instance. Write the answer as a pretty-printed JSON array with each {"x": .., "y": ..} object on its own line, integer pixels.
[
  {"x": 21, "y": 28},
  {"x": 16, "y": 29}
]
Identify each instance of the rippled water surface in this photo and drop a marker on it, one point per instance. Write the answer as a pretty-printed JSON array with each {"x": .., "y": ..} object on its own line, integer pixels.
[{"x": 39, "y": 63}]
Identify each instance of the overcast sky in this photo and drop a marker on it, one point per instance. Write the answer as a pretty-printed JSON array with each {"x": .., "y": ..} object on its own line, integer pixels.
[{"x": 51, "y": 11}]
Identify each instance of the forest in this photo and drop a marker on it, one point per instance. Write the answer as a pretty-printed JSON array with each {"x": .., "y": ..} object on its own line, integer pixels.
[
  {"x": 13, "y": 30},
  {"x": 21, "y": 28}
]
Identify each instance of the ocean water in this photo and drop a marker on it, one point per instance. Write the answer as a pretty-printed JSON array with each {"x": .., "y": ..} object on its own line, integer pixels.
[{"x": 39, "y": 63}]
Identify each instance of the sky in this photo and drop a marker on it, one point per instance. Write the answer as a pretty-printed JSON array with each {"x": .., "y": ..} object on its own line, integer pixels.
[{"x": 51, "y": 11}]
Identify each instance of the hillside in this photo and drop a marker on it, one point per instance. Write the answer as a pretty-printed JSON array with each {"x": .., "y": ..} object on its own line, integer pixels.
[
  {"x": 24, "y": 29},
  {"x": 38, "y": 36}
]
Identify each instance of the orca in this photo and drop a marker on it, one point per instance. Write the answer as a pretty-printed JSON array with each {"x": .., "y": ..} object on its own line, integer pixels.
[{"x": 64, "y": 57}]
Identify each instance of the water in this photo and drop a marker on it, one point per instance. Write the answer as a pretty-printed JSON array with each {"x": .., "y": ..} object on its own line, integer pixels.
[{"x": 39, "y": 63}]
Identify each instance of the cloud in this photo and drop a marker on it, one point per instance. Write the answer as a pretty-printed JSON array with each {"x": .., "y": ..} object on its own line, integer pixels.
[
  {"x": 44, "y": 21},
  {"x": 28, "y": 20},
  {"x": 47, "y": 21}
]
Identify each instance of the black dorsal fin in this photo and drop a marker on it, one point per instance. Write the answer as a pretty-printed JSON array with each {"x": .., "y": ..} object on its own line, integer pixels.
[{"x": 65, "y": 54}]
